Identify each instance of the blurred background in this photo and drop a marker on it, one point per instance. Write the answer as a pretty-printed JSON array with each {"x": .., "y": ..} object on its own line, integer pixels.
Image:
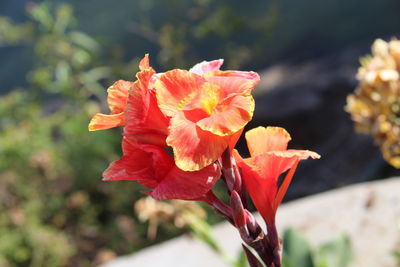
[{"x": 58, "y": 57}]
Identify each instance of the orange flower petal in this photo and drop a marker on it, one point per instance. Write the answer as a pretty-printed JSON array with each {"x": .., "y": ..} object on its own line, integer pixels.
[
  {"x": 270, "y": 165},
  {"x": 206, "y": 66},
  {"x": 193, "y": 148},
  {"x": 250, "y": 75},
  {"x": 234, "y": 138},
  {"x": 179, "y": 184},
  {"x": 261, "y": 139},
  {"x": 284, "y": 186},
  {"x": 144, "y": 63},
  {"x": 261, "y": 174},
  {"x": 175, "y": 88},
  {"x": 234, "y": 84},
  {"x": 118, "y": 95},
  {"x": 229, "y": 116},
  {"x": 274, "y": 163},
  {"x": 144, "y": 120},
  {"x": 301, "y": 154},
  {"x": 102, "y": 121}
]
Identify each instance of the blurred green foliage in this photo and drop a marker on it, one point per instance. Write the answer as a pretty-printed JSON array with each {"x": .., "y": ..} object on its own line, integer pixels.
[
  {"x": 190, "y": 31},
  {"x": 297, "y": 252},
  {"x": 56, "y": 211}
]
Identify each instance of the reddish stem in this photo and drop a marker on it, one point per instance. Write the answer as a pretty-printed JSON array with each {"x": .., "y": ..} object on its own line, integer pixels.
[{"x": 216, "y": 203}]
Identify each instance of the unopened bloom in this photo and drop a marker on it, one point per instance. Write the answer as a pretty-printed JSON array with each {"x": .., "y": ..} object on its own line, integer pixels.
[
  {"x": 207, "y": 111},
  {"x": 269, "y": 159},
  {"x": 153, "y": 167}
]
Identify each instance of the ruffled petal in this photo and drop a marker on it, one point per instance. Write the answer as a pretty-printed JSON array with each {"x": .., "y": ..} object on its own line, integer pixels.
[
  {"x": 101, "y": 121},
  {"x": 206, "y": 67},
  {"x": 249, "y": 75},
  {"x": 144, "y": 120},
  {"x": 229, "y": 116},
  {"x": 178, "y": 184},
  {"x": 175, "y": 88},
  {"x": 261, "y": 139},
  {"x": 118, "y": 95},
  {"x": 234, "y": 84},
  {"x": 194, "y": 148}
]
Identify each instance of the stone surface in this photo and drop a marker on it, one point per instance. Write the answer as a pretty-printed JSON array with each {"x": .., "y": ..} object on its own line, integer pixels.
[{"x": 368, "y": 213}]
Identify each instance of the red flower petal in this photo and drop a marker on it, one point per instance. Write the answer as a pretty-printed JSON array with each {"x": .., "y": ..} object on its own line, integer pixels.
[
  {"x": 269, "y": 160},
  {"x": 144, "y": 120},
  {"x": 179, "y": 184},
  {"x": 152, "y": 167},
  {"x": 261, "y": 190},
  {"x": 146, "y": 164}
]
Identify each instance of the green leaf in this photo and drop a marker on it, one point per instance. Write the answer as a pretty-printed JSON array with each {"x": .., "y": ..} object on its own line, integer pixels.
[
  {"x": 335, "y": 253},
  {"x": 41, "y": 13},
  {"x": 202, "y": 231},
  {"x": 296, "y": 250},
  {"x": 85, "y": 41},
  {"x": 397, "y": 254}
]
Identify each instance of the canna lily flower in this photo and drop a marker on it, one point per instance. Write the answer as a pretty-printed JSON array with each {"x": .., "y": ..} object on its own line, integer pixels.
[
  {"x": 269, "y": 159},
  {"x": 153, "y": 167},
  {"x": 199, "y": 112},
  {"x": 134, "y": 105},
  {"x": 208, "y": 109}
]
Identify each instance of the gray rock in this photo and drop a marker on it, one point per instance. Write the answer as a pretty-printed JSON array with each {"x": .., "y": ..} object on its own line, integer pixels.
[{"x": 368, "y": 213}]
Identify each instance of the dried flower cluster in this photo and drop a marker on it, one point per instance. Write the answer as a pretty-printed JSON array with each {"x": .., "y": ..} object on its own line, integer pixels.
[
  {"x": 176, "y": 211},
  {"x": 375, "y": 105}
]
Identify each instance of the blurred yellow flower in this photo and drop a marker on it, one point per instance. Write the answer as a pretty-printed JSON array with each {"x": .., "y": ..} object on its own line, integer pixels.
[{"x": 375, "y": 104}]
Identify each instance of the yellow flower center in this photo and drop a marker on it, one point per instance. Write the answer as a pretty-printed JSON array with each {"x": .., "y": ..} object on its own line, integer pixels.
[{"x": 210, "y": 97}]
